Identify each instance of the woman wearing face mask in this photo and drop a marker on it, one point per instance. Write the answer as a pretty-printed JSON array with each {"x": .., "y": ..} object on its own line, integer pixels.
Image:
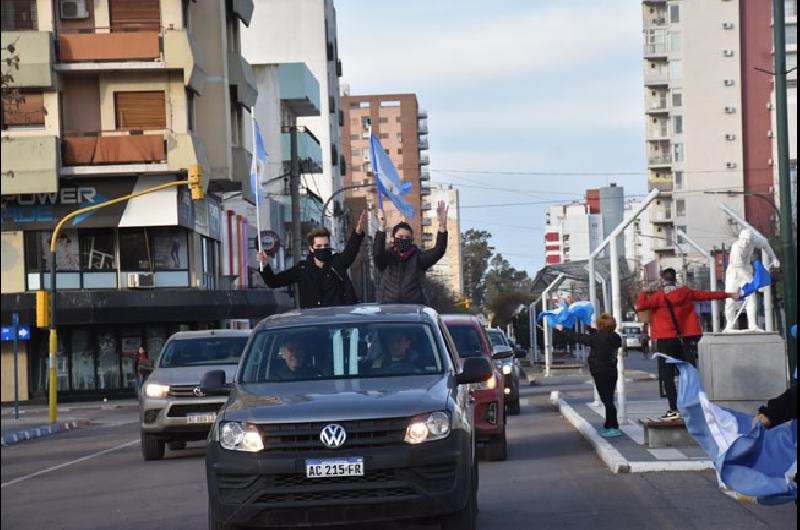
[
  {"x": 321, "y": 279},
  {"x": 403, "y": 265}
]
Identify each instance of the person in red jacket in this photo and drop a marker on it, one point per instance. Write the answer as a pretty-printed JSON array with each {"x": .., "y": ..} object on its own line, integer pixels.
[{"x": 662, "y": 327}]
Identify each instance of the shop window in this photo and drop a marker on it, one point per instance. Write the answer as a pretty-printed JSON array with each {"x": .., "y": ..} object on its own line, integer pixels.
[
  {"x": 108, "y": 360},
  {"x": 131, "y": 340},
  {"x": 170, "y": 250},
  {"x": 209, "y": 263},
  {"x": 140, "y": 110},
  {"x": 134, "y": 250},
  {"x": 23, "y": 109},
  {"x": 19, "y": 15},
  {"x": 97, "y": 250},
  {"x": 82, "y": 355}
]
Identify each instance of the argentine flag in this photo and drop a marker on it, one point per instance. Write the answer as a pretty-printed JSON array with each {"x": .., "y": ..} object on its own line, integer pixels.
[
  {"x": 761, "y": 278},
  {"x": 259, "y": 165},
  {"x": 387, "y": 179},
  {"x": 754, "y": 462},
  {"x": 568, "y": 314}
]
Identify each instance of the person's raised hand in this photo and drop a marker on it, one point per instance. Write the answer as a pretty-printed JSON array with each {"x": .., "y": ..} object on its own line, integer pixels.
[
  {"x": 261, "y": 256},
  {"x": 381, "y": 220},
  {"x": 441, "y": 214},
  {"x": 560, "y": 327},
  {"x": 362, "y": 222}
]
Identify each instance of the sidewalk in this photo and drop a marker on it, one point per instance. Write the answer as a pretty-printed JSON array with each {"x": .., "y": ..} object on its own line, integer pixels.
[
  {"x": 628, "y": 453},
  {"x": 34, "y": 420}
]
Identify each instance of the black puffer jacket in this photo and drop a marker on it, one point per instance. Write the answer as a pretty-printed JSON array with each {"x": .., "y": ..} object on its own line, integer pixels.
[
  {"x": 604, "y": 346},
  {"x": 320, "y": 287},
  {"x": 402, "y": 280},
  {"x": 782, "y": 408}
]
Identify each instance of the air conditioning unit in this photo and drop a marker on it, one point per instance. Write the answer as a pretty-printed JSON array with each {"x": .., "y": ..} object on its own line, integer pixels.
[
  {"x": 770, "y": 162},
  {"x": 728, "y": 53},
  {"x": 140, "y": 280},
  {"x": 770, "y": 134},
  {"x": 729, "y": 82},
  {"x": 730, "y": 165},
  {"x": 730, "y": 137},
  {"x": 727, "y": 25},
  {"x": 730, "y": 110},
  {"x": 73, "y": 9},
  {"x": 769, "y": 105}
]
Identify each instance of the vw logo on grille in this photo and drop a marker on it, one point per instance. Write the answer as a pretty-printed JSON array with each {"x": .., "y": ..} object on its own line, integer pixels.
[
  {"x": 333, "y": 435},
  {"x": 197, "y": 392}
]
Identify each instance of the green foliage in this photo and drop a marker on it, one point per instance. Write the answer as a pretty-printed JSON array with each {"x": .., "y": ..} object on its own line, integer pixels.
[{"x": 476, "y": 255}]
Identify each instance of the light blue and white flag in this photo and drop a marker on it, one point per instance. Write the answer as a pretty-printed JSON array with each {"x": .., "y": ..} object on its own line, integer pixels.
[
  {"x": 259, "y": 165},
  {"x": 388, "y": 180},
  {"x": 568, "y": 314},
  {"x": 754, "y": 462}
]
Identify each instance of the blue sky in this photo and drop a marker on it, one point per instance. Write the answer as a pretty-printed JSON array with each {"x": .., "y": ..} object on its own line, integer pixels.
[{"x": 528, "y": 86}]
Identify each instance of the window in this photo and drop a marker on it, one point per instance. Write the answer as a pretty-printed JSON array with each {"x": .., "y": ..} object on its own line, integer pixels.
[
  {"x": 134, "y": 15},
  {"x": 185, "y": 15},
  {"x": 19, "y": 15},
  {"x": 384, "y": 136},
  {"x": 140, "y": 110},
  {"x": 232, "y": 34},
  {"x": 677, "y": 98},
  {"x": 365, "y": 122},
  {"x": 383, "y": 120},
  {"x": 677, "y": 124},
  {"x": 399, "y": 151},
  {"x": 190, "y": 109},
  {"x": 354, "y": 137},
  {"x": 680, "y": 207},
  {"x": 97, "y": 250},
  {"x": 134, "y": 250},
  {"x": 170, "y": 250},
  {"x": 399, "y": 137},
  {"x": 791, "y": 35},
  {"x": 674, "y": 14},
  {"x": 236, "y": 125},
  {"x": 675, "y": 42},
  {"x": 23, "y": 109},
  {"x": 682, "y": 228},
  {"x": 397, "y": 119},
  {"x": 790, "y": 8},
  {"x": 675, "y": 70},
  {"x": 678, "y": 152},
  {"x": 678, "y": 180}
]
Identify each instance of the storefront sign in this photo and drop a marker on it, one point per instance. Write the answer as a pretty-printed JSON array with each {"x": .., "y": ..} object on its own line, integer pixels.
[
  {"x": 23, "y": 333},
  {"x": 270, "y": 242}
]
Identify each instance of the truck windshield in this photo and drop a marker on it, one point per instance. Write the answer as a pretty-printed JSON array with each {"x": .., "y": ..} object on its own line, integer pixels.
[
  {"x": 341, "y": 351},
  {"x": 631, "y": 331},
  {"x": 202, "y": 351}
]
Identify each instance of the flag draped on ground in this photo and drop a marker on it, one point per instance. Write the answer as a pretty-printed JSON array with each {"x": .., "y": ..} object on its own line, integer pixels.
[
  {"x": 752, "y": 461},
  {"x": 388, "y": 180},
  {"x": 761, "y": 278},
  {"x": 568, "y": 314}
]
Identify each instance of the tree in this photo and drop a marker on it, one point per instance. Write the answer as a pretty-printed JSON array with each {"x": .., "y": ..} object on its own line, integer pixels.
[
  {"x": 505, "y": 289},
  {"x": 505, "y": 305},
  {"x": 476, "y": 252},
  {"x": 440, "y": 298}
]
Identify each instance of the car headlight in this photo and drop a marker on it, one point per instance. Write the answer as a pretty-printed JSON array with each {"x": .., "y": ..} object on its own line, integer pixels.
[
  {"x": 235, "y": 436},
  {"x": 489, "y": 384},
  {"x": 155, "y": 390},
  {"x": 507, "y": 369},
  {"x": 428, "y": 427}
]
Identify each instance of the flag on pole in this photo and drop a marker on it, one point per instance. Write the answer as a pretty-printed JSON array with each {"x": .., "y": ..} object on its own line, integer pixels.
[
  {"x": 568, "y": 314},
  {"x": 388, "y": 180},
  {"x": 259, "y": 165},
  {"x": 752, "y": 461},
  {"x": 761, "y": 278}
]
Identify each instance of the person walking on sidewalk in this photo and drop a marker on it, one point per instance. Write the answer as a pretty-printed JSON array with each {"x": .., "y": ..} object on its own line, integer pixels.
[
  {"x": 674, "y": 327},
  {"x": 604, "y": 343},
  {"x": 403, "y": 265},
  {"x": 321, "y": 279}
]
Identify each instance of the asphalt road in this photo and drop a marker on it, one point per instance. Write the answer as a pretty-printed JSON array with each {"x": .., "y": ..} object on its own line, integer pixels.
[{"x": 95, "y": 479}]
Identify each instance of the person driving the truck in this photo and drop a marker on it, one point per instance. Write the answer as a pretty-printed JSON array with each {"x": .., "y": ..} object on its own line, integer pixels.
[
  {"x": 293, "y": 367},
  {"x": 398, "y": 356}
]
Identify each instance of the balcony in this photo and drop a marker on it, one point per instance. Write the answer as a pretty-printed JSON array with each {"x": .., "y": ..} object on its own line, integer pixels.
[
  {"x": 425, "y": 174},
  {"x": 309, "y": 151},
  {"x": 299, "y": 89},
  {"x": 662, "y": 216},
  {"x": 29, "y": 165},
  {"x": 240, "y": 76},
  {"x": 422, "y": 127},
  {"x": 426, "y": 222},
  {"x": 425, "y": 207},
  {"x": 424, "y": 191},
  {"x": 181, "y": 53},
  {"x": 111, "y": 148},
  {"x": 422, "y": 144},
  {"x": 424, "y": 160},
  {"x": 652, "y": 50},
  {"x": 422, "y": 114},
  {"x": 655, "y": 77},
  {"x": 35, "y": 51},
  {"x": 657, "y": 104},
  {"x": 659, "y": 159},
  {"x": 658, "y": 132},
  {"x": 663, "y": 184}
]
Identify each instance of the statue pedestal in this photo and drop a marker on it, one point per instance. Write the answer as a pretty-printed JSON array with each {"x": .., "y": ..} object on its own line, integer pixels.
[{"x": 742, "y": 370}]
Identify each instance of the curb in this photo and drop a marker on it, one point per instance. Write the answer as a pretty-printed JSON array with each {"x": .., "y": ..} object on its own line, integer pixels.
[
  {"x": 38, "y": 432},
  {"x": 611, "y": 457}
]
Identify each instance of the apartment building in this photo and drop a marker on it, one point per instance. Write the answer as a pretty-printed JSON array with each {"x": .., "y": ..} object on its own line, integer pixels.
[
  {"x": 450, "y": 269},
  {"x": 710, "y": 131},
  {"x": 113, "y": 97},
  {"x": 304, "y": 31}
]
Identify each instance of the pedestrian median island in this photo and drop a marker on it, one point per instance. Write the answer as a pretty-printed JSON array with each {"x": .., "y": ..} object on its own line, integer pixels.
[
  {"x": 648, "y": 445},
  {"x": 22, "y": 431}
]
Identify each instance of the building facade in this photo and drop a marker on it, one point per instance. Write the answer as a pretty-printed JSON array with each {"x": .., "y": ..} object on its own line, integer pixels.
[
  {"x": 450, "y": 269},
  {"x": 709, "y": 115},
  {"x": 304, "y": 31},
  {"x": 114, "y": 97}
]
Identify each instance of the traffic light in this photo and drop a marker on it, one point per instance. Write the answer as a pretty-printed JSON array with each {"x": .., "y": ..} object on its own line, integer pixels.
[
  {"x": 42, "y": 309},
  {"x": 195, "y": 182}
]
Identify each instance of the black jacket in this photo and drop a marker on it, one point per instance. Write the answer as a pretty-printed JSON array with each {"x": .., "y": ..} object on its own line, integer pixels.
[
  {"x": 402, "y": 279},
  {"x": 320, "y": 287},
  {"x": 782, "y": 408},
  {"x": 603, "y": 344}
]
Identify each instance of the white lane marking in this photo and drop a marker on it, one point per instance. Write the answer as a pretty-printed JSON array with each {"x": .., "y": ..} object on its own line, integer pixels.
[
  {"x": 71, "y": 462},
  {"x": 524, "y": 402}
]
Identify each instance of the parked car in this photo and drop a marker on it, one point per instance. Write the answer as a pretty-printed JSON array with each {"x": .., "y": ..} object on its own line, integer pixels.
[
  {"x": 345, "y": 415},
  {"x": 490, "y": 418},
  {"x": 172, "y": 408},
  {"x": 632, "y": 333},
  {"x": 511, "y": 370}
]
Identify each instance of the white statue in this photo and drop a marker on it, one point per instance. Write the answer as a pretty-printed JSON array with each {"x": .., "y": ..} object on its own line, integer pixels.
[{"x": 740, "y": 272}]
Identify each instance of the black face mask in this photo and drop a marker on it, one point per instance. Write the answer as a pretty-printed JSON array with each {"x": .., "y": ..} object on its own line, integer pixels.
[
  {"x": 402, "y": 244},
  {"x": 323, "y": 254}
]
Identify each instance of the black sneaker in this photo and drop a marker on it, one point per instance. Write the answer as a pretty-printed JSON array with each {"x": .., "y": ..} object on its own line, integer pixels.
[{"x": 671, "y": 415}]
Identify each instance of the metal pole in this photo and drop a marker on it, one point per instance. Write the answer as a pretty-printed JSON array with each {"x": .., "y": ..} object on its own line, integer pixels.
[
  {"x": 789, "y": 265},
  {"x": 15, "y": 324},
  {"x": 53, "y": 395},
  {"x": 593, "y": 287},
  {"x": 532, "y": 330},
  {"x": 769, "y": 318},
  {"x": 616, "y": 304},
  {"x": 294, "y": 190},
  {"x": 547, "y": 338}
]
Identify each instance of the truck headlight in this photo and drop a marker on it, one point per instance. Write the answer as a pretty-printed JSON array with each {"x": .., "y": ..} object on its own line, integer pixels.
[
  {"x": 155, "y": 390},
  {"x": 235, "y": 436},
  {"x": 428, "y": 427},
  {"x": 507, "y": 369},
  {"x": 489, "y": 384}
]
